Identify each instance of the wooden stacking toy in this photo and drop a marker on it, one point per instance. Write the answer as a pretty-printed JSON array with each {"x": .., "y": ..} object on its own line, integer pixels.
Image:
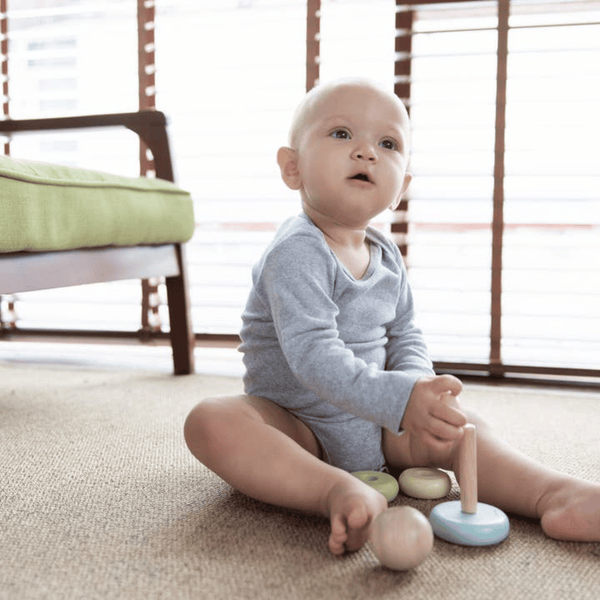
[{"x": 468, "y": 522}]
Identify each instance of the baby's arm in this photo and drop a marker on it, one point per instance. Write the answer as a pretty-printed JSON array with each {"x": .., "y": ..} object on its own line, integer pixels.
[{"x": 433, "y": 412}]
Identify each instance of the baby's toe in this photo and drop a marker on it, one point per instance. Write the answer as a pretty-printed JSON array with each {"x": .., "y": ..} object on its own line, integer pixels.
[
  {"x": 338, "y": 536},
  {"x": 359, "y": 523}
]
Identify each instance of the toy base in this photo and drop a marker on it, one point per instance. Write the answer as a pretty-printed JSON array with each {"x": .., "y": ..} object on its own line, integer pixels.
[{"x": 488, "y": 526}]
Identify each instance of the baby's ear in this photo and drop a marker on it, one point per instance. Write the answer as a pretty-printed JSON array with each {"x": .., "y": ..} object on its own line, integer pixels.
[
  {"x": 287, "y": 159},
  {"x": 405, "y": 184}
]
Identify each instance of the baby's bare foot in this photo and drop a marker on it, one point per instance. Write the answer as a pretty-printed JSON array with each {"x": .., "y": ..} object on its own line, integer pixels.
[
  {"x": 572, "y": 512},
  {"x": 352, "y": 507}
]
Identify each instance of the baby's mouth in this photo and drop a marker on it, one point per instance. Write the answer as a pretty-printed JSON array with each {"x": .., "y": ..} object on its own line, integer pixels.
[{"x": 362, "y": 177}]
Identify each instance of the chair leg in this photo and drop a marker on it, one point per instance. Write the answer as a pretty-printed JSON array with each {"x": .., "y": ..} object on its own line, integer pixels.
[{"x": 182, "y": 335}]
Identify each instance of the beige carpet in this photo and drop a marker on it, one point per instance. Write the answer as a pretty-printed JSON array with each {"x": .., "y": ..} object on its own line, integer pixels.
[{"x": 99, "y": 498}]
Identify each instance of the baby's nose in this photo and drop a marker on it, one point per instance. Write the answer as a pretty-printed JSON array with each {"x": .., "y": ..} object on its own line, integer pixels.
[{"x": 365, "y": 153}]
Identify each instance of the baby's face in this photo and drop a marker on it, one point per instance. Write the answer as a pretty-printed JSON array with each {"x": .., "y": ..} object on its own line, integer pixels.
[{"x": 353, "y": 154}]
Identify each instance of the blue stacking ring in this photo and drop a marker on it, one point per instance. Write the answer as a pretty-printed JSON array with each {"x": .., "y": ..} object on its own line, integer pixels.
[{"x": 488, "y": 526}]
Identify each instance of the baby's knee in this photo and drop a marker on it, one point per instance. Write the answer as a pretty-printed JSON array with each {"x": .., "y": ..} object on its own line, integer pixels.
[{"x": 203, "y": 421}]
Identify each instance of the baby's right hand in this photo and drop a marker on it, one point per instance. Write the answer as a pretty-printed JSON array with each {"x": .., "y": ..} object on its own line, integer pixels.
[{"x": 433, "y": 412}]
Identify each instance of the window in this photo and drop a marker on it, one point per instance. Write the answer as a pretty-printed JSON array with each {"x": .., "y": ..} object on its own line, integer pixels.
[
  {"x": 504, "y": 209},
  {"x": 228, "y": 115},
  {"x": 530, "y": 190}
]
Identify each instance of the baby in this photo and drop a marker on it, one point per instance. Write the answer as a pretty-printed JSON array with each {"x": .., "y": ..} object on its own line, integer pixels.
[{"x": 338, "y": 377}]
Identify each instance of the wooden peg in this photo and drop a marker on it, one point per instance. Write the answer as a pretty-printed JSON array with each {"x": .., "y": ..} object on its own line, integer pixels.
[{"x": 468, "y": 470}]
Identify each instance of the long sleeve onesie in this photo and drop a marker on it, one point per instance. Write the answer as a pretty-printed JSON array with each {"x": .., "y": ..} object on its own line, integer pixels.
[{"x": 341, "y": 354}]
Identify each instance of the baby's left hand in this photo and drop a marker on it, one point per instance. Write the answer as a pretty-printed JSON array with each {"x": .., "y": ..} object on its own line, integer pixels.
[{"x": 433, "y": 412}]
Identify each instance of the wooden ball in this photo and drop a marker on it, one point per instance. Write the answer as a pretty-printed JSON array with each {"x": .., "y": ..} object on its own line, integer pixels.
[{"x": 401, "y": 537}]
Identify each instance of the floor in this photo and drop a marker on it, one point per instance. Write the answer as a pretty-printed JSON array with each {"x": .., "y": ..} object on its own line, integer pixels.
[{"x": 209, "y": 361}]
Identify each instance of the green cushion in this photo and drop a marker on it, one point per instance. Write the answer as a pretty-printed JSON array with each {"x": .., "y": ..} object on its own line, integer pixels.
[{"x": 50, "y": 207}]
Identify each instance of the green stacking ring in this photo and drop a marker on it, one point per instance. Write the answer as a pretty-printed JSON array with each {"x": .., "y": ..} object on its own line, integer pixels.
[{"x": 382, "y": 482}]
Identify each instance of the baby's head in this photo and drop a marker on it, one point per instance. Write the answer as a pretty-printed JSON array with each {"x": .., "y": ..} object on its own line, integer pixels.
[
  {"x": 348, "y": 151},
  {"x": 312, "y": 104}
]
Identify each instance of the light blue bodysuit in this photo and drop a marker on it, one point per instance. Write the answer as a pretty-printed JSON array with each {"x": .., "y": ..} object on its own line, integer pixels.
[{"x": 339, "y": 353}]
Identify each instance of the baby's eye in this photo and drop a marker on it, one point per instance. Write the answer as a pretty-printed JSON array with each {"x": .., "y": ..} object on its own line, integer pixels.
[
  {"x": 340, "y": 134},
  {"x": 389, "y": 144}
]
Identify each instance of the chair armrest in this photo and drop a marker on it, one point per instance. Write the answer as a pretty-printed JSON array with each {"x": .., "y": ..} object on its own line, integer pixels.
[{"x": 150, "y": 125}]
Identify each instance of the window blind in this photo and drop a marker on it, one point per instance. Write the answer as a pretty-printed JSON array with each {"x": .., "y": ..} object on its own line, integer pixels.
[
  {"x": 503, "y": 212},
  {"x": 503, "y": 244},
  {"x": 4, "y": 64},
  {"x": 551, "y": 249},
  {"x": 228, "y": 114},
  {"x": 450, "y": 89}
]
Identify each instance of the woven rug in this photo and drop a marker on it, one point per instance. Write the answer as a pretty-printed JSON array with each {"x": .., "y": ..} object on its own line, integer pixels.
[{"x": 99, "y": 498}]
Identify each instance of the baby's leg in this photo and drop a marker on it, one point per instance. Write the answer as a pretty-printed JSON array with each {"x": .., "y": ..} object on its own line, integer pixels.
[
  {"x": 264, "y": 451},
  {"x": 569, "y": 508}
]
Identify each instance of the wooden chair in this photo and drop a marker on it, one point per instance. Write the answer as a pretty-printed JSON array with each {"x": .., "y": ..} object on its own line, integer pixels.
[{"x": 34, "y": 270}]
